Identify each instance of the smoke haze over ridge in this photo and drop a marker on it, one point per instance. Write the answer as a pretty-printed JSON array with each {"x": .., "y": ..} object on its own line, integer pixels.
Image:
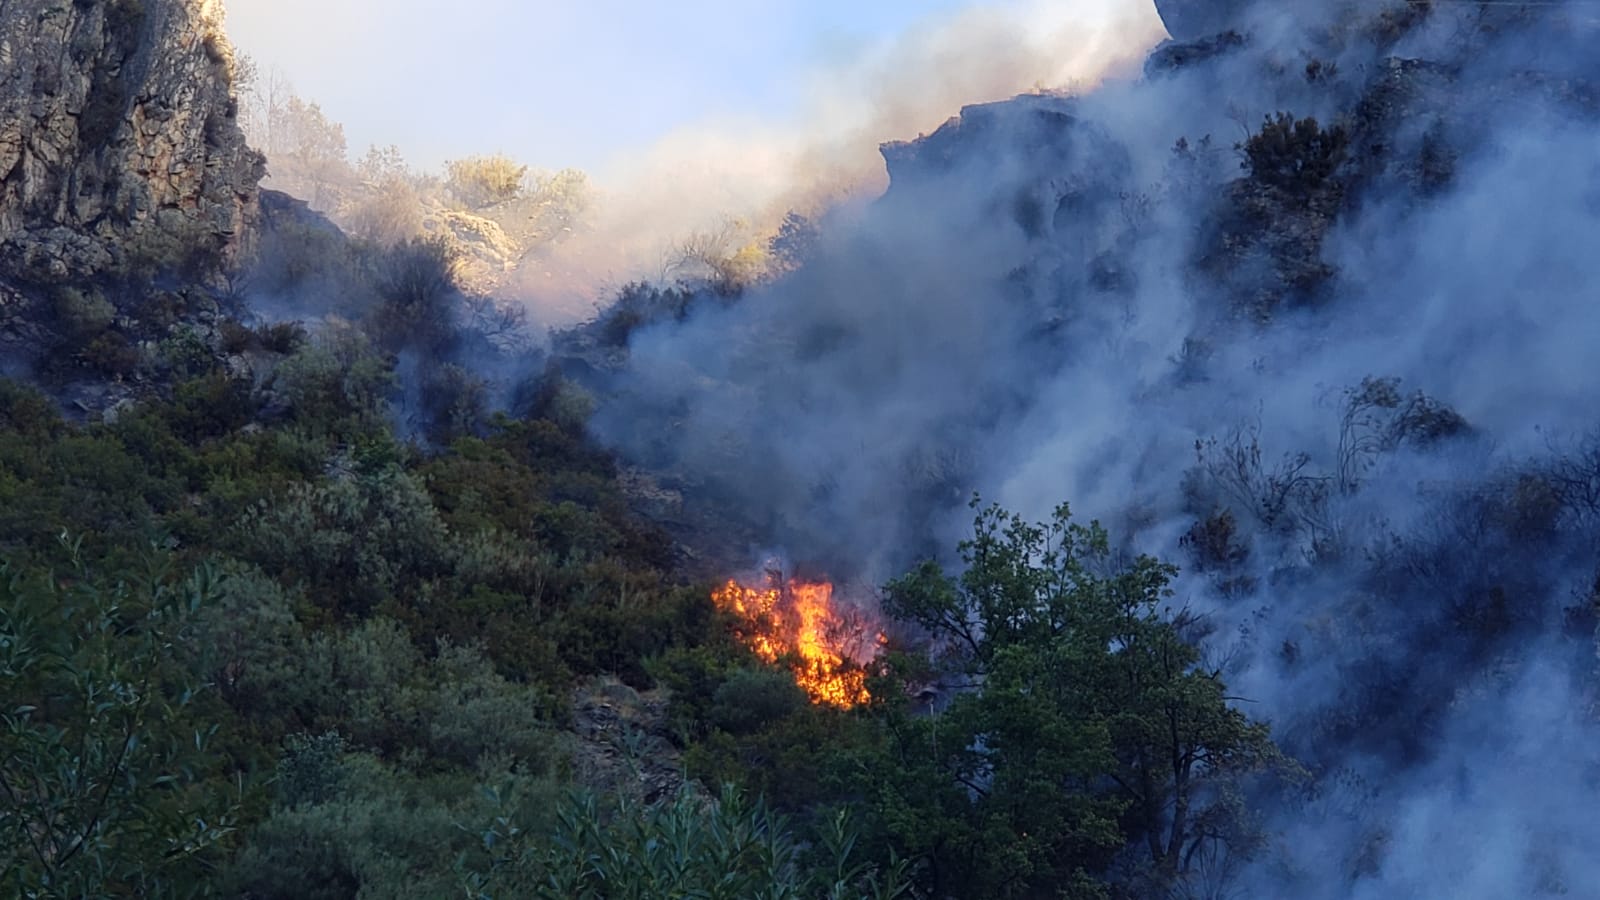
[
  {"x": 1051, "y": 303},
  {"x": 732, "y": 157}
]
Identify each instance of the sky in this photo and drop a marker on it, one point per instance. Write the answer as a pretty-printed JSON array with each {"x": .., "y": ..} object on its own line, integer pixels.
[{"x": 568, "y": 82}]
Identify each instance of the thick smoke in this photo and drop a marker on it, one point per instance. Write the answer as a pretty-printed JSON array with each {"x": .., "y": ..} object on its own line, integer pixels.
[
  {"x": 748, "y": 172},
  {"x": 1055, "y": 300}
]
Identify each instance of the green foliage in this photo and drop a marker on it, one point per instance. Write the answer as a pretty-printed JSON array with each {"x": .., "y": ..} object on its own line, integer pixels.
[
  {"x": 1094, "y": 724},
  {"x": 381, "y": 832},
  {"x": 184, "y": 353},
  {"x": 455, "y": 403},
  {"x": 99, "y": 759},
  {"x": 26, "y": 412},
  {"x": 310, "y": 770},
  {"x": 336, "y": 385},
  {"x": 354, "y": 541},
  {"x": 637, "y": 305},
  {"x": 795, "y": 243},
  {"x": 752, "y": 698},
  {"x": 687, "y": 846}
]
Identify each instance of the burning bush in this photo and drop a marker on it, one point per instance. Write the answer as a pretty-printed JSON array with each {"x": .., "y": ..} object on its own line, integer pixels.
[{"x": 799, "y": 624}]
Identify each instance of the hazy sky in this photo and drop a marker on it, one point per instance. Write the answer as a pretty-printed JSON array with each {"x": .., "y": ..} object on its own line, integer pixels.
[{"x": 560, "y": 82}]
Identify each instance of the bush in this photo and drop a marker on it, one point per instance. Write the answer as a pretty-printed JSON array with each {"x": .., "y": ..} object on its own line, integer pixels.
[
  {"x": 417, "y": 298},
  {"x": 357, "y": 541},
  {"x": 687, "y": 846},
  {"x": 26, "y": 411},
  {"x": 389, "y": 213},
  {"x": 752, "y": 698},
  {"x": 383, "y": 833},
  {"x": 282, "y": 338},
  {"x": 100, "y": 762},
  {"x": 1295, "y": 154},
  {"x": 480, "y": 181},
  {"x": 337, "y": 384},
  {"x": 455, "y": 403},
  {"x": 310, "y": 770}
]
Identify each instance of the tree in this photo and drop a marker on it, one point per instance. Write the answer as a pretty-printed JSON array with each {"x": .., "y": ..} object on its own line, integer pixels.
[
  {"x": 795, "y": 243},
  {"x": 1089, "y": 721}
]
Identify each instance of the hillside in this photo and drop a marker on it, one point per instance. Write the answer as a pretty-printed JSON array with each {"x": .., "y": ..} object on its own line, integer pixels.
[{"x": 324, "y": 578}]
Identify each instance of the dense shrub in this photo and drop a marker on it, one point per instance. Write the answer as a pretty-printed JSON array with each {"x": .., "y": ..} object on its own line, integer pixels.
[
  {"x": 480, "y": 181},
  {"x": 1295, "y": 154}
]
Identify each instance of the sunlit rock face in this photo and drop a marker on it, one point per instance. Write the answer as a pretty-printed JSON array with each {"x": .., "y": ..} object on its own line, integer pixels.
[{"x": 118, "y": 126}]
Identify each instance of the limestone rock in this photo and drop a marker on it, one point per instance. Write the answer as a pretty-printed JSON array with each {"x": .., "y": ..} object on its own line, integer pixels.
[
  {"x": 486, "y": 253},
  {"x": 118, "y": 135}
]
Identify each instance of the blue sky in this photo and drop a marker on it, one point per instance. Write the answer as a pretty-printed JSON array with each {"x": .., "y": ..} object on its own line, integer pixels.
[
  {"x": 577, "y": 79},
  {"x": 563, "y": 82}
]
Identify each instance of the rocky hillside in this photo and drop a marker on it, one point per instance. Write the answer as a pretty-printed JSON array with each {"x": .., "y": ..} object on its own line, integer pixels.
[{"x": 118, "y": 139}]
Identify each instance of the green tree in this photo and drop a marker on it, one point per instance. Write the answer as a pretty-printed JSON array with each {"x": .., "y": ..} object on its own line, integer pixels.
[{"x": 1089, "y": 723}]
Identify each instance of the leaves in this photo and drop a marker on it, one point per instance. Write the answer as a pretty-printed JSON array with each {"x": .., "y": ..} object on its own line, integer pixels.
[
  {"x": 93, "y": 763},
  {"x": 1089, "y": 724}
]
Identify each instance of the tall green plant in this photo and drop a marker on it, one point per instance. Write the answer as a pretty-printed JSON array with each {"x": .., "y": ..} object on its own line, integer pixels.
[
  {"x": 98, "y": 760},
  {"x": 1090, "y": 723}
]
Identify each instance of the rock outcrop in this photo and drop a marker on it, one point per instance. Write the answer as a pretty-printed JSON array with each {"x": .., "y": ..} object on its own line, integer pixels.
[
  {"x": 1188, "y": 20},
  {"x": 119, "y": 140}
]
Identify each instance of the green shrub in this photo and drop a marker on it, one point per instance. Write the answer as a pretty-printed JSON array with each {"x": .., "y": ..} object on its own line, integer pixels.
[
  {"x": 336, "y": 385},
  {"x": 99, "y": 761},
  {"x": 283, "y": 338},
  {"x": 26, "y": 411},
  {"x": 753, "y": 698},
  {"x": 687, "y": 846},
  {"x": 383, "y": 833},
  {"x": 310, "y": 770},
  {"x": 418, "y": 305},
  {"x": 355, "y": 541}
]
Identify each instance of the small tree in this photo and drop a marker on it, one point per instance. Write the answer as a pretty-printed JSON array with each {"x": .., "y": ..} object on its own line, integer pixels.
[
  {"x": 1091, "y": 722},
  {"x": 481, "y": 181},
  {"x": 419, "y": 307}
]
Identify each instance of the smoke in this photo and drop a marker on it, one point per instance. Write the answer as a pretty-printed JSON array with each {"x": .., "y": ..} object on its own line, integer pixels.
[
  {"x": 1052, "y": 302},
  {"x": 741, "y": 176}
]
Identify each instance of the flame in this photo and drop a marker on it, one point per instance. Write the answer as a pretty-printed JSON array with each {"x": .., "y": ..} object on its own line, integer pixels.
[{"x": 798, "y": 622}]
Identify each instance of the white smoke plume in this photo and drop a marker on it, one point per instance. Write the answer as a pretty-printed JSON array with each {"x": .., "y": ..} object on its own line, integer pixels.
[{"x": 1052, "y": 303}]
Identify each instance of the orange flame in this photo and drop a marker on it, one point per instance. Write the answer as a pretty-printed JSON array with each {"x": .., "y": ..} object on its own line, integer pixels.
[{"x": 798, "y": 621}]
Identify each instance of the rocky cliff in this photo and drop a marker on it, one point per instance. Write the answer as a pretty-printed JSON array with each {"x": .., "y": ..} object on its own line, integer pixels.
[{"x": 120, "y": 148}]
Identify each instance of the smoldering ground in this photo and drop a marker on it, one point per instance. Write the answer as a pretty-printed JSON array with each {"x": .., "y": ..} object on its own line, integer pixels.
[{"x": 1355, "y": 405}]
